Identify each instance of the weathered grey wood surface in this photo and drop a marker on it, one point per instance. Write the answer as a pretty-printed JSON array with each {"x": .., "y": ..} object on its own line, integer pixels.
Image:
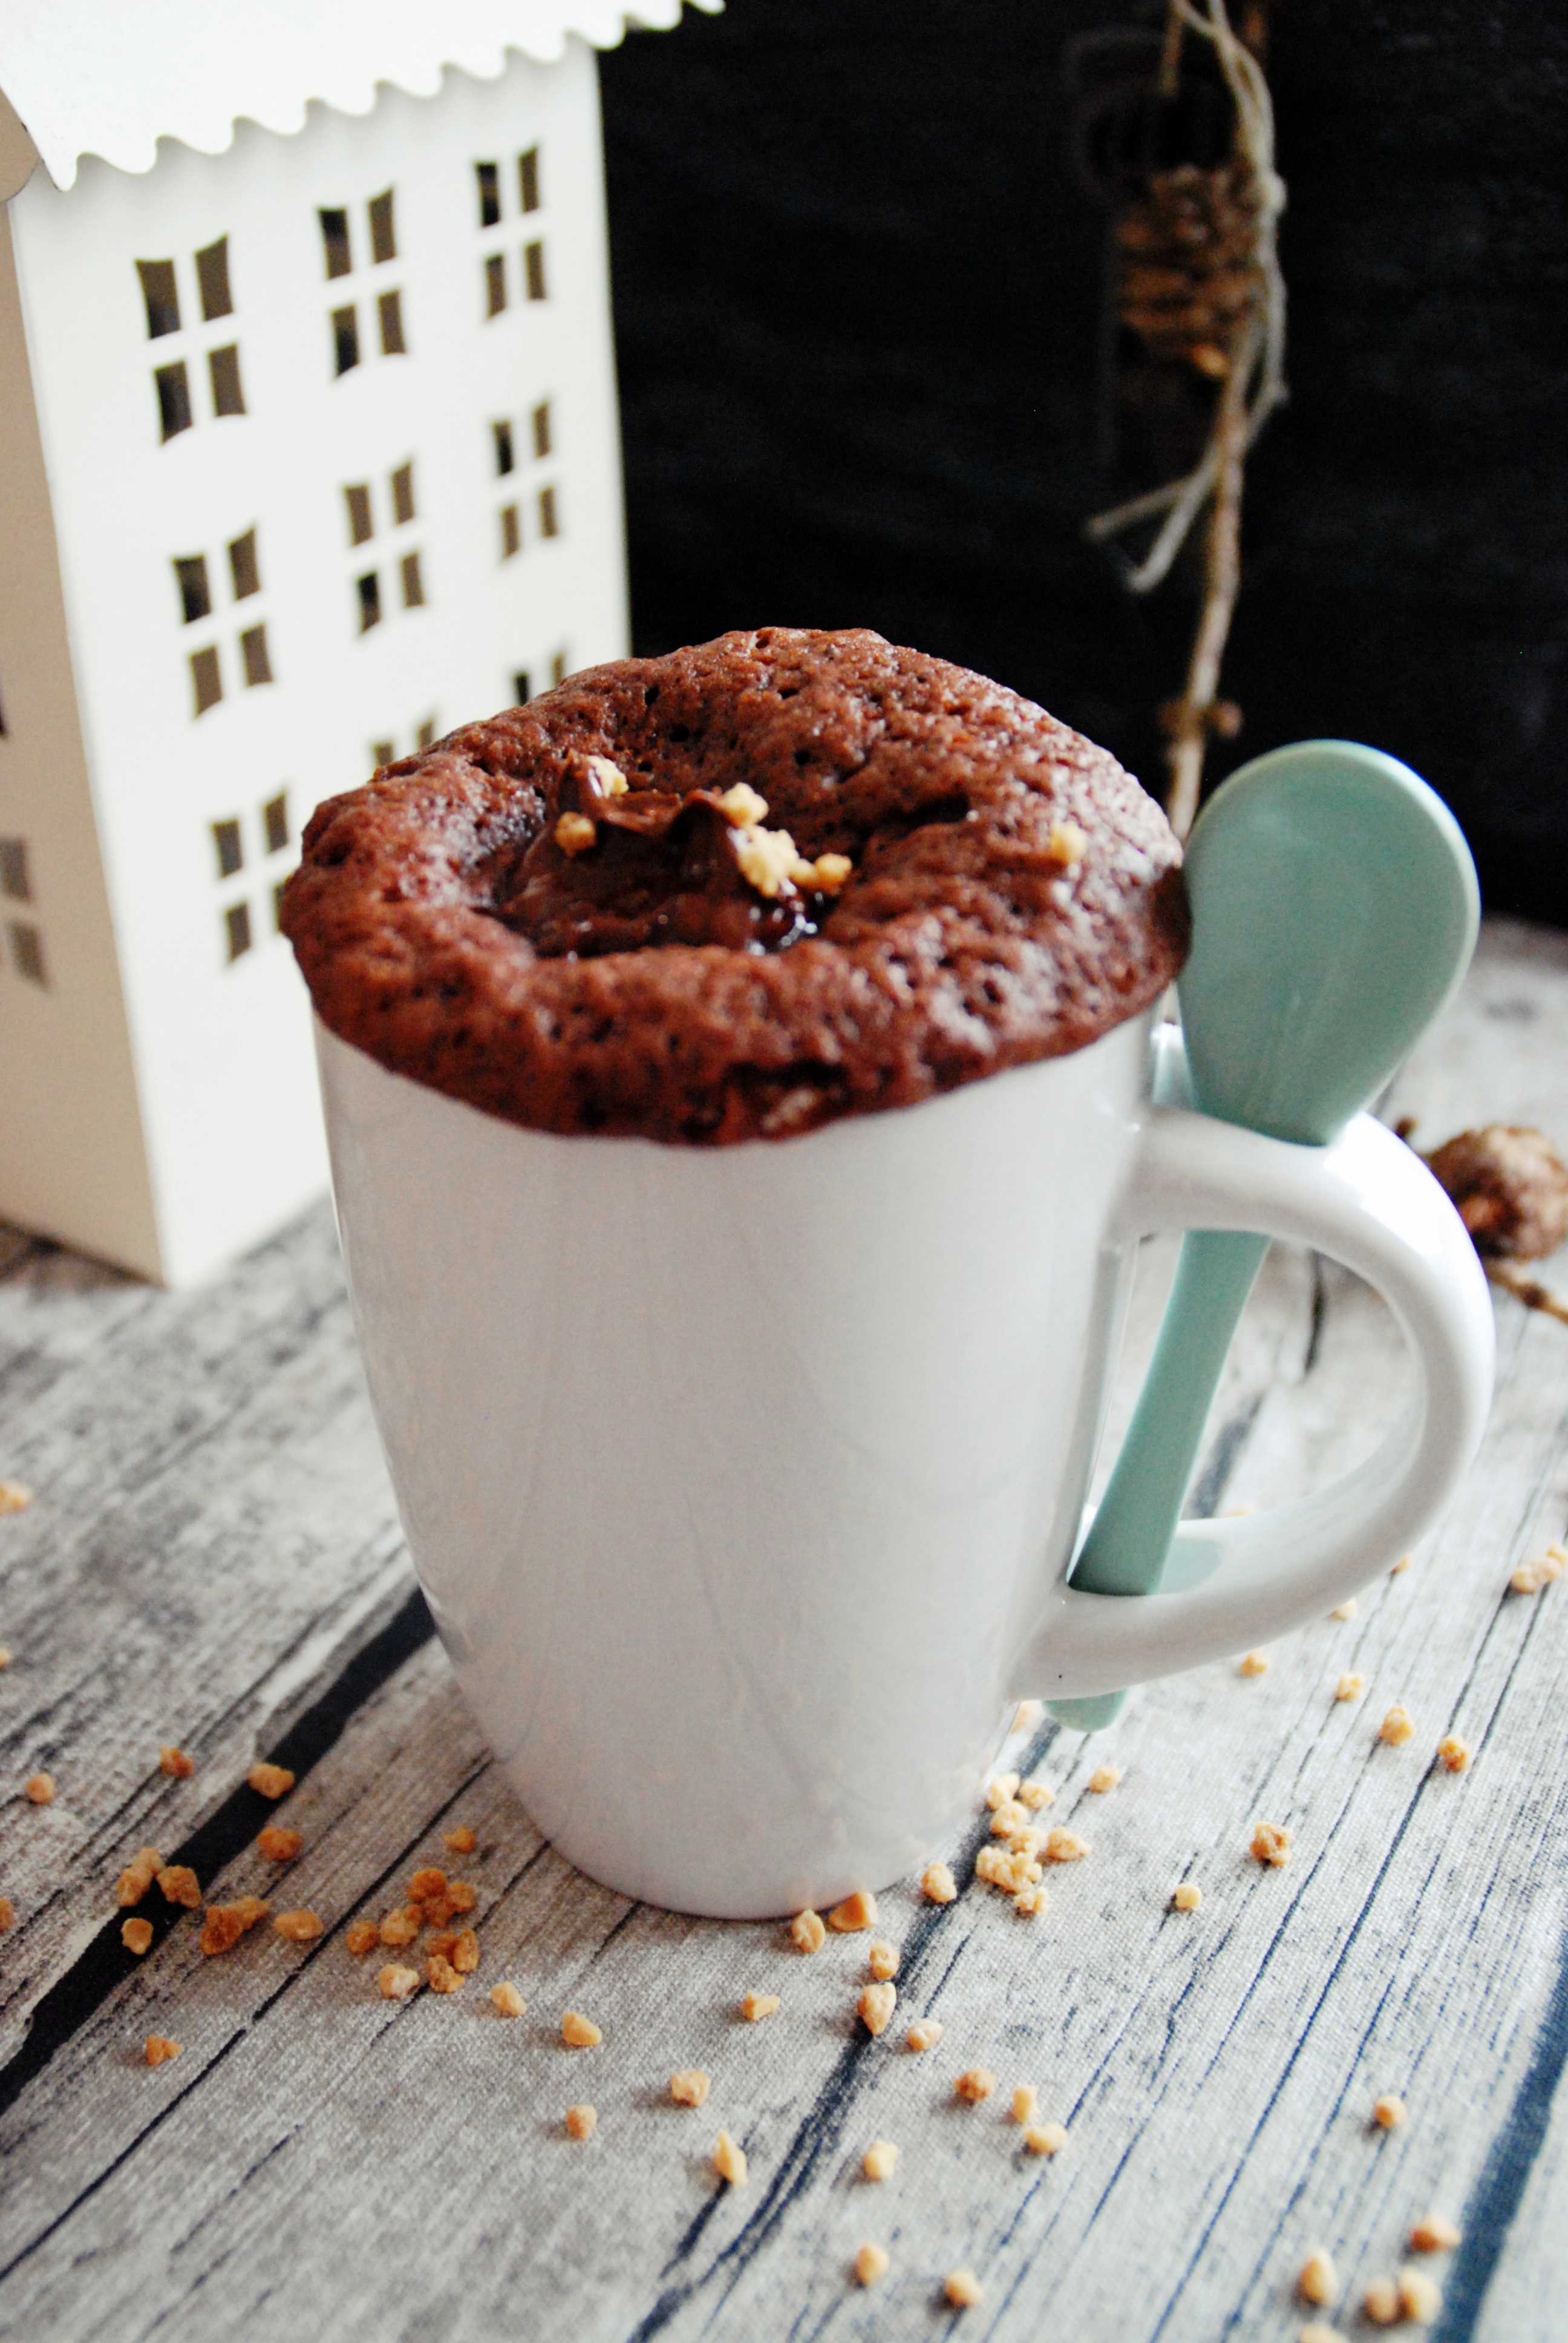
[{"x": 213, "y": 1558}]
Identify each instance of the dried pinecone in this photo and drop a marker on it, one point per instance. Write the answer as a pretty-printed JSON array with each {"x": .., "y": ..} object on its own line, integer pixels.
[
  {"x": 1187, "y": 263},
  {"x": 1509, "y": 1187}
]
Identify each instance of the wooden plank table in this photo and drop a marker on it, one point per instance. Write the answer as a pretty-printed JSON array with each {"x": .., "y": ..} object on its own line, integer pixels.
[{"x": 213, "y": 1560}]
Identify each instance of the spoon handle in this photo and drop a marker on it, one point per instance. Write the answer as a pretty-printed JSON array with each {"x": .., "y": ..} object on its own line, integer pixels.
[{"x": 1130, "y": 1538}]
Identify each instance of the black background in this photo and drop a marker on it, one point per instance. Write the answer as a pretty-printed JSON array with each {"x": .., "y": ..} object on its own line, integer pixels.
[{"x": 859, "y": 310}]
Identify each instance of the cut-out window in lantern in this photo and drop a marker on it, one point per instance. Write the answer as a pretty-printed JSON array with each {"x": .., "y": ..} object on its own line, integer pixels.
[
  {"x": 489, "y": 178},
  {"x": 253, "y": 650},
  {"x": 390, "y": 310},
  {"x": 505, "y": 459},
  {"x": 558, "y": 667},
  {"x": 345, "y": 338},
  {"x": 28, "y": 953},
  {"x": 383, "y": 234},
  {"x": 534, "y": 270},
  {"x": 243, "y": 565},
  {"x": 206, "y": 678},
  {"x": 212, "y": 277},
  {"x": 520, "y": 691},
  {"x": 275, "y": 822},
  {"x": 403, "y": 493},
  {"x": 495, "y": 285},
  {"x": 161, "y": 294},
  {"x": 542, "y": 434},
  {"x": 511, "y": 533},
  {"x": 549, "y": 519},
  {"x": 528, "y": 180},
  {"x": 16, "y": 878},
  {"x": 369, "y": 589},
  {"x": 383, "y": 752},
  {"x": 228, "y": 397},
  {"x": 335, "y": 242},
  {"x": 173, "y": 386},
  {"x": 228, "y": 849},
  {"x": 425, "y": 733},
  {"x": 196, "y": 594},
  {"x": 237, "y": 930},
  {"x": 279, "y": 893},
  {"x": 413, "y": 583},
  {"x": 358, "y": 500}
]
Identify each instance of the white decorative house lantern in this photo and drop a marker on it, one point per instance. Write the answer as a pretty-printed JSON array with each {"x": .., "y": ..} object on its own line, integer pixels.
[{"x": 308, "y": 451}]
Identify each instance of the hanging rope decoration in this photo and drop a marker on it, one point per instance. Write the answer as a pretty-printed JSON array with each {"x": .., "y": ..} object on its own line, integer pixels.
[{"x": 1198, "y": 281}]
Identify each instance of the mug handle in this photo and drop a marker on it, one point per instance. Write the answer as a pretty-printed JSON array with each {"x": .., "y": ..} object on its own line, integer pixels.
[{"x": 1368, "y": 1201}]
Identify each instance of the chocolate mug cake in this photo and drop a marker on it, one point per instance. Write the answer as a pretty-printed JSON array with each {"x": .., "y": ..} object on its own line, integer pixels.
[{"x": 737, "y": 892}]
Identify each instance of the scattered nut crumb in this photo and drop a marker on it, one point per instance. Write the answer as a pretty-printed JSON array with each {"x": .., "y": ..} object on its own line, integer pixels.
[
  {"x": 461, "y": 1841},
  {"x": 1403, "y": 1563},
  {"x": 465, "y": 1953},
  {"x": 137, "y": 1935},
  {"x": 574, "y": 833},
  {"x": 440, "y": 1975},
  {"x": 1382, "y": 2303},
  {"x": 1035, "y": 1795},
  {"x": 1420, "y": 2297},
  {"x": 1532, "y": 1576},
  {"x": 1253, "y": 1663},
  {"x": 806, "y": 1932},
  {"x": 176, "y": 1763},
  {"x": 1316, "y": 2332},
  {"x": 400, "y": 1928},
  {"x": 1025, "y": 2104},
  {"x": 180, "y": 1886},
  {"x": 279, "y": 1845},
  {"x": 1433, "y": 2236},
  {"x": 1188, "y": 1897},
  {"x": 1011, "y": 1868},
  {"x": 506, "y": 2000},
  {"x": 857, "y": 1911},
  {"x": 4, "y": 1656},
  {"x": 580, "y": 2033},
  {"x": 1349, "y": 1687},
  {"x": 272, "y": 1781},
  {"x": 1027, "y": 1712},
  {"x": 1397, "y": 1727},
  {"x": 925, "y": 2034},
  {"x": 1045, "y": 2140},
  {"x": 870, "y": 2264},
  {"x": 1454, "y": 1754},
  {"x": 999, "y": 1790},
  {"x": 582, "y": 2121},
  {"x": 1006, "y": 1816},
  {"x": 689, "y": 2087},
  {"x": 15, "y": 1496},
  {"x": 609, "y": 776},
  {"x": 962, "y": 2289},
  {"x": 1272, "y": 1844},
  {"x": 1389, "y": 2113},
  {"x": 425, "y": 1885},
  {"x": 1318, "y": 2281},
  {"x": 138, "y": 1875},
  {"x": 1030, "y": 1902},
  {"x": 299, "y": 1927},
  {"x": 361, "y": 1936},
  {"x": 444, "y": 1942},
  {"x": 1105, "y": 1777},
  {"x": 1345, "y": 1610},
  {"x": 40, "y": 1788},
  {"x": 159, "y": 2048},
  {"x": 7, "y": 1914},
  {"x": 729, "y": 2160},
  {"x": 397, "y": 1982},
  {"x": 976, "y": 2083},
  {"x": 876, "y": 2006},
  {"x": 830, "y": 870},
  {"x": 1065, "y": 1847},
  {"x": 225, "y": 1924},
  {"x": 882, "y": 1958},
  {"x": 743, "y": 807},
  {"x": 938, "y": 1885},
  {"x": 879, "y": 2160},
  {"x": 1068, "y": 845},
  {"x": 754, "y": 2006}
]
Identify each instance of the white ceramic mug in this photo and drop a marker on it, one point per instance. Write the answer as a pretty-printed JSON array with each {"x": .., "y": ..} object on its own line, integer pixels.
[{"x": 744, "y": 1482}]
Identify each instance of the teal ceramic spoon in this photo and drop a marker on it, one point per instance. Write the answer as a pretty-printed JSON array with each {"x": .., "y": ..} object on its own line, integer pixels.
[{"x": 1334, "y": 909}]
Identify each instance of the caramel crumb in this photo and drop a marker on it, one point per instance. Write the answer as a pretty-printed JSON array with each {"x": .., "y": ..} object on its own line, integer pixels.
[
  {"x": 1349, "y": 1687},
  {"x": 4, "y": 1656},
  {"x": 138, "y": 1875},
  {"x": 225, "y": 1924},
  {"x": 1397, "y": 1727},
  {"x": 1065, "y": 1847},
  {"x": 1104, "y": 1777},
  {"x": 580, "y": 2033},
  {"x": 444, "y": 1942},
  {"x": 272, "y": 1781},
  {"x": 808, "y": 1933},
  {"x": 299, "y": 1927},
  {"x": 743, "y": 807},
  {"x": 465, "y": 1953},
  {"x": 574, "y": 833},
  {"x": 461, "y": 1841},
  {"x": 729, "y": 2160},
  {"x": 397, "y": 1982},
  {"x": 582, "y": 2121},
  {"x": 938, "y": 1885},
  {"x": 7, "y": 1914},
  {"x": 1454, "y": 1754},
  {"x": 925, "y": 2034},
  {"x": 460, "y": 1895},
  {"x": 361, "y": 1936},
  {"x": 399, "y": 1928},
  {"x": 1027, "y": 1714},
  {"x": 1272, "y": 1844},
  {"x": 689, "y": 2087},
  {"x": 882, "y": 1958},
  {"x": 999, "y": 1789},
  {"x": 159, "y": 2048},
  {"x": 435, "y": 1912},
  {"x": 962, "y": 2289},
  {"x": 1030, "y": 1902},
  {"x": 879, "y": 2160},
  {"x": 40, "y": 1788},
  {"x": 609, "y": 776},
  {"x": 876, "y": 2006},
  {"x": 1008, "y": 1815},
  {"x": 754, "y": 2006},
  {"x": 976, "y": 2083},
  {"x": 1045, "y": 2140},
  {"x": 830, "y": 872},
  {"x": 1253, "y": 1663},
  {"x": 180, "y": 1886},
  {"x": 870, "y": 2264},
  {"x": 1035, "y": 1795},
  {"x": 1433, "y": 2236},
  {"x": 506, "y": 2000},
  {"x": 1025, "y": 2104},
  {"x": 440, "y": 1975},
  {"x": 1314, "y": 2331},
  {"x": 1345, "y": 1610},
  {"x": 137, "y": 1935},
  {"x": 1532, "y": 1576},
  {"x": 175, "y": 1762},
  {"x": 1188, "y": 1897},
  {"x": 1067, "y": 845},
  {"x": 1382, "y": 2303},
  {"x": 1420, "y": 2297},
  {"x": 1011, "y": 1868},
  {"x": 1403, "y": 1563},
  {"x": 1389, "y": 2113},
  {"x": 279, "y": 1845},
  {"x": 1317, "y": 2281},
  {"x": 856, "y": 1912},
  {"x": 425, "y": 1885},
  {"x": 15, "y": 1496}
]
